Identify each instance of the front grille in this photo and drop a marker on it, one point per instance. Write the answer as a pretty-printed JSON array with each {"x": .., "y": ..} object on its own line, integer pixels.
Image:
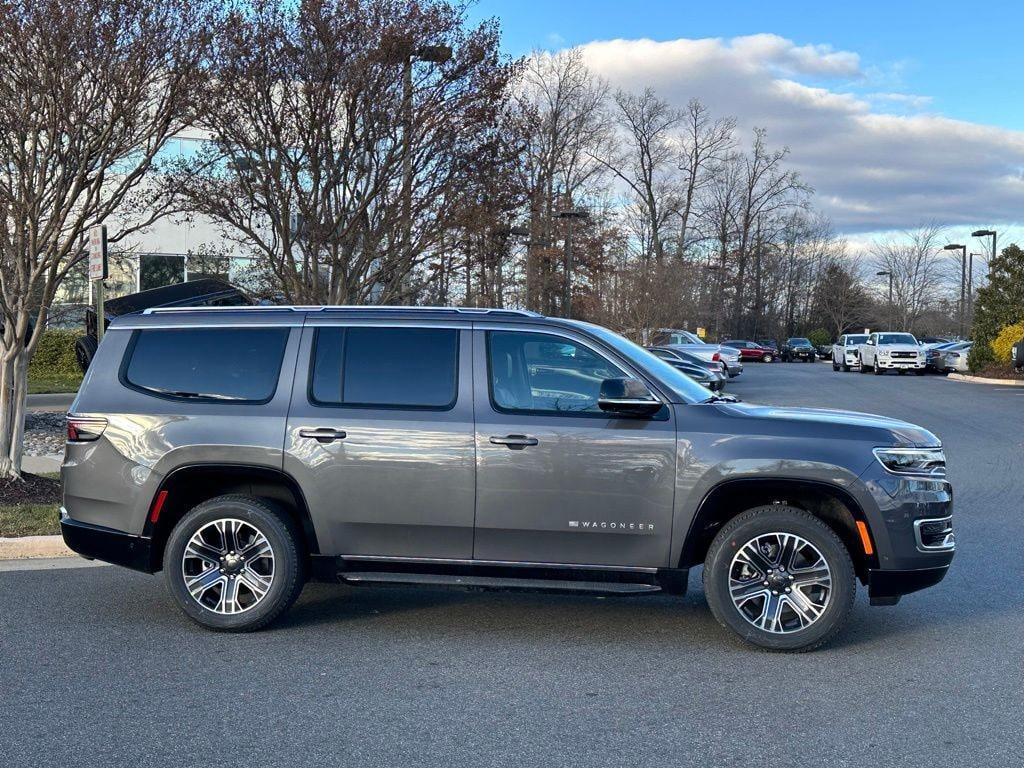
[
  {"x": 935, "y": 534},
  {"x": 904, "y": 355}
]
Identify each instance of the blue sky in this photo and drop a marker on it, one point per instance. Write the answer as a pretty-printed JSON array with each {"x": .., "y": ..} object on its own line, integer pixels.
[
  {"x": 963, "y": 55},
  {"x": 899, "y": 114}
]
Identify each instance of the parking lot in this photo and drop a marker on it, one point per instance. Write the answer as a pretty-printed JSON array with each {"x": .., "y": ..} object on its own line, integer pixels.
[{"x": 97, "y": 666}]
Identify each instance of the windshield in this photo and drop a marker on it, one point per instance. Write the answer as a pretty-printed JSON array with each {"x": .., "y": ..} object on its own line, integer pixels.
[
  {"x": 799, "y": 343},
  {"x": 858, "y": 338},
  {"x": 896, "y": 338},
  {"x": 683, "y": 388}
]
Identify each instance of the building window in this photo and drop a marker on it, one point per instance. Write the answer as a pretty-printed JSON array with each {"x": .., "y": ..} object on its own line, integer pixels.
[{"x": 157, "y": 270}]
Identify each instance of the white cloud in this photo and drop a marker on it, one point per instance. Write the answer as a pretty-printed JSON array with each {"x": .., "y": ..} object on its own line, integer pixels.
[{"x": 876, "y": 162}]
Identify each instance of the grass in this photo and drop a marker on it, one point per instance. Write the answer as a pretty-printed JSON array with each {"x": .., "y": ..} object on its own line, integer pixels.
[
  {"x": 52, "y": 384},
  {"x": 29, "y": 517}
]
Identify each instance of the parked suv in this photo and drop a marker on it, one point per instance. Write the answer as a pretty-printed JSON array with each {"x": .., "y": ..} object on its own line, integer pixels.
[
  {"x": 845, "y": 352},
  {"x": 244, "y": 451},
  {"x": 798, "y": 348}
]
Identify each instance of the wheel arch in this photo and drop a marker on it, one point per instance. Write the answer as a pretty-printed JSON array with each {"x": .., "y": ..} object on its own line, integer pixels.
[
  {"x": 189, "y": 485},
  {"x": 832, "y": 504}
]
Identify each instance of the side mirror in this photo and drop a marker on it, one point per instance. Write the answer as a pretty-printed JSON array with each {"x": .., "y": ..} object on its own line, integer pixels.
[{"x": 628, "y": 397}]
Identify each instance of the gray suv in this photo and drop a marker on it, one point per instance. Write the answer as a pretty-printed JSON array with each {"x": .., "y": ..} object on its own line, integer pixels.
[{"x": 244, "y": 451}]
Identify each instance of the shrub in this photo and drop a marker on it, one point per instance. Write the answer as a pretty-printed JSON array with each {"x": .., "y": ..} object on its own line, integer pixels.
[
  {"x": 55, "y": 354},
  {"x": 1002, "y": 344},
  {"x": 980, "y": 357},
  {"x": 819, "y": 337}
]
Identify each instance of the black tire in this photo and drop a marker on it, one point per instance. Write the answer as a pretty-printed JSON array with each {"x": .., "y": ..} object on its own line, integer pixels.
[
  {"x": 864, "y": 367},
  {"x": 835, "y": 365},
  {"x": 85, "y": 351},
  {"x": 782, "y": 519},
  {"x": 876, "y": 370},
  {"x": 288, "y": 562}
]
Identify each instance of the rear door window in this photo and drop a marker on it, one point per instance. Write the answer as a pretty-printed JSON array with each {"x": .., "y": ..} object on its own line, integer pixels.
[
  {"x": 385, "y": 367},
  {"x": 206, "y": 364}
]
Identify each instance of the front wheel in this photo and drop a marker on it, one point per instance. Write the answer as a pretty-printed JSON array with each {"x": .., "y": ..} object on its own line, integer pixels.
[
  {"x": 767, "y": 359},
  {"x": 233, "y": 564},
  {"x": 779, "y": 578},
  {"x": 876, "y": 370}
]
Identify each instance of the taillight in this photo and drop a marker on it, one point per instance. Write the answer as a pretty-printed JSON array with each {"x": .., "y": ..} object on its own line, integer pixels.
[
  {"x": 85, "y": 429},
  {"x": 716, "y": 357}
]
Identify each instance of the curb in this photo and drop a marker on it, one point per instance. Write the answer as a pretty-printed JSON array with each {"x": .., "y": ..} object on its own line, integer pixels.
[
  {"x": 982, "y": 380},
  {"x": 25, "y": 547}
]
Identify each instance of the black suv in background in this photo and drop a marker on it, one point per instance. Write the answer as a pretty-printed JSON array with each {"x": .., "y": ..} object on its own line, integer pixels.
[
  {"x": 244, "y": 451},
  {"x": 797, "y": 348}
]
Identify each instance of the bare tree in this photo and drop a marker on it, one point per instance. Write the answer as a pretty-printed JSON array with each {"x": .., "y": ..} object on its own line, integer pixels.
[
  {"x": 703, "y": 144},
  {"x": 840, "y": 298},
  {"x": 768, "y": 189},
  {"x": 89, "y": 94},
  {"x": 565, "y": 126},
  {"x": 914, "y": 260},
  {"x": 338, "y": 152}
]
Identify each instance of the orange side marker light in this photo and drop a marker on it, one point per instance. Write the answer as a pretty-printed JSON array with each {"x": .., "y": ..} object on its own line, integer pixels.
[{"x": 865, "y": 538}]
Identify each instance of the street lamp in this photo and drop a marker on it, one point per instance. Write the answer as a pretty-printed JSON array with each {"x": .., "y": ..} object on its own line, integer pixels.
[
  {"x": 404, "y": 51},
  {"x": 963, "y": 279},
  {"x": 884, "y": 273},
  {"x": 979, "y": 233},
  {"x": 570, "y": 215}
]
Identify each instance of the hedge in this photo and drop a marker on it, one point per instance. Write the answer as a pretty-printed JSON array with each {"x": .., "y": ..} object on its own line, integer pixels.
[{"x": 55, "y": 354}]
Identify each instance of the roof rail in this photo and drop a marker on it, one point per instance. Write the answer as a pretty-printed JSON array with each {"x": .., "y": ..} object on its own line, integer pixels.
[{"x": 345, "y": 308}]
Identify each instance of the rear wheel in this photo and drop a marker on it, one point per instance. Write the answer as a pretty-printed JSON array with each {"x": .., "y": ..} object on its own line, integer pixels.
[
  {"x": 233, "y": 564},
  {"x": 767, "y": 359},
  {"x": 779, "y": 578}
]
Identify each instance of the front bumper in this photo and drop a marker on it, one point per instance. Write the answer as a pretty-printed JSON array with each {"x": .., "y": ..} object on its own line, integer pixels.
[
  {"x": 900, "y": 364},
  {"x": 887, "y": 587},
  {"x": 94, "y": 542},
  {"x": 903, "y": 562}
]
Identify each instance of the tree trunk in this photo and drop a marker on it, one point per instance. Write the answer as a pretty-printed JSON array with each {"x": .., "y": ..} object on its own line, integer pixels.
[{"x": 13, "y": 389}]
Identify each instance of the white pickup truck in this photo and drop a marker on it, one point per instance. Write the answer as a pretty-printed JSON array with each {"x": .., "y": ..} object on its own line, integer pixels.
[
  {"x": 883, "y": 352},
  {"x": 846, "y": 351}
]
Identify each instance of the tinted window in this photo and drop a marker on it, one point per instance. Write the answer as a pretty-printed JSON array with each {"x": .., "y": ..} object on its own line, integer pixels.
[
  {"x": 856, "y": 339},
  {"x": 390, "y": 367},
  {"x": 208, "y": 363},
  {"x": 538, "y": 372}
]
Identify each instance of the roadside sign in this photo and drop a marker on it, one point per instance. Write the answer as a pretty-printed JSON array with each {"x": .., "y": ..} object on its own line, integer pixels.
[
  {"x": 98, "y": 252},
  {"x": 702, "y": 332}
]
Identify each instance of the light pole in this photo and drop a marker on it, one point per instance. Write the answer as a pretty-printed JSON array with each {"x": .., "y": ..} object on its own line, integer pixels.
[
  {"x": 406, "y": 52},
  {"x": 884, "y": 273},
  {"x": 970, "y": 292},
  {"x": 963, "y": 279},
  {"x": 570, "y": 215}
]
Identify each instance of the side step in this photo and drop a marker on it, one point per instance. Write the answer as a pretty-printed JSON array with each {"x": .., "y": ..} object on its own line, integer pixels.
[{"x": 358, "y": 578}]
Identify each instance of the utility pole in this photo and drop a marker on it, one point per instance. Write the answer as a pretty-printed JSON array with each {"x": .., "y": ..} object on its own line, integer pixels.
[{"x": 980, "y": 233}]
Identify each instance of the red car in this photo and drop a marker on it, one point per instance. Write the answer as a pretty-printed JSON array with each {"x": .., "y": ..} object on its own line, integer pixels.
[{"x": 750, "y": 351}]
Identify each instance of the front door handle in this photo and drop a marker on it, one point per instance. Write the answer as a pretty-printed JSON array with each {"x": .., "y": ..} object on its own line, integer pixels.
[
  {"x": 515, "y": 442},
  {"x": 323, "y": 434}
]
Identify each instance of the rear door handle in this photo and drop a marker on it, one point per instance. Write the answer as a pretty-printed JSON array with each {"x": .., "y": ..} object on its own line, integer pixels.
[
  {"x": 323, "y": 434},
  {"x": 515, "y": 442}
]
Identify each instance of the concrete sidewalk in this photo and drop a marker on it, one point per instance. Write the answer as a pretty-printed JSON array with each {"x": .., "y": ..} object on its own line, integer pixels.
[
  {"x": 37, "y": 465},
  {"x": 57, "y": 402},
  {"x": 25, "y": 547}
]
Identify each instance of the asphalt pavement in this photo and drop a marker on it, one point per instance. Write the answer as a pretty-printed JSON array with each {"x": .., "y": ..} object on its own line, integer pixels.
[{"x": 98, "y": 667}]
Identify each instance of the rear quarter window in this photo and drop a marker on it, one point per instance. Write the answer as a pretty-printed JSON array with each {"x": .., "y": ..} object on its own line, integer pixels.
[{"x": 206, "y": 364}]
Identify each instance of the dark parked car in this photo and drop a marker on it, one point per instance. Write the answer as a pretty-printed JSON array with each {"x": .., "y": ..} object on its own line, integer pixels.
[
  {"x": 824, "y": 351},
  {"x": 797, "y": 348},
  {"x": 244, "y": 451},
  {"x": 710, "y": 375},
  {"x": 208, "y": 292},
  {"x": 752, "y": 351}
]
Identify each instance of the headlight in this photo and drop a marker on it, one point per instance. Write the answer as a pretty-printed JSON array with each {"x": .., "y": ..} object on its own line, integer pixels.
[
  {"x": 883, "y": 353},
  {"x": 912, "y": 461}
]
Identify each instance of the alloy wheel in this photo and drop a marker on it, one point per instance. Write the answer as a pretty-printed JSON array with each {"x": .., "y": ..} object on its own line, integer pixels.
[
  {"x": 228, "y": 566},
  {"x": 780, "y": 582}
]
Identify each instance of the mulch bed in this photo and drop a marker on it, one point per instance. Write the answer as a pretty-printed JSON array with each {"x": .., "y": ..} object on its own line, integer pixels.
[
  {"x": 1001, "y": 372},
  {"x": 31, "y": 489}
]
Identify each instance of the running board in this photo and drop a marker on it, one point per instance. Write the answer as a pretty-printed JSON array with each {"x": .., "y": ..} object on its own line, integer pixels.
[{"x": 359, "y": 578}]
